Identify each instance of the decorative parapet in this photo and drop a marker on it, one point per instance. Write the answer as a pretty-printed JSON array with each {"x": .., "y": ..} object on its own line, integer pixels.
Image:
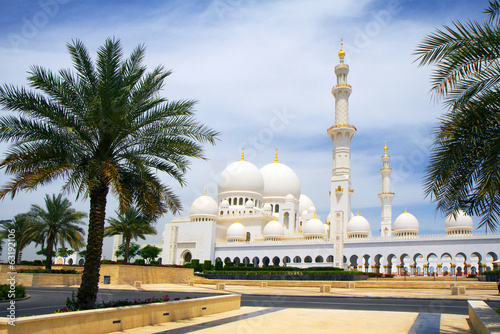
[{"x": 341, "y": 126}]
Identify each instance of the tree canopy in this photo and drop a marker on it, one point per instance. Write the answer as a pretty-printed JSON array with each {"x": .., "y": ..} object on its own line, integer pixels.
[{"x": 464, "y": 168}]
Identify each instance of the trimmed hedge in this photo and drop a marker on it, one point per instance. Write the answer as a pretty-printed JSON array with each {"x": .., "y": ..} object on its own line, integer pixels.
[
  {"x": 491, "y": 272},
  {"x": 281, "y": 272},
  {"x": 47, "y": 271}
]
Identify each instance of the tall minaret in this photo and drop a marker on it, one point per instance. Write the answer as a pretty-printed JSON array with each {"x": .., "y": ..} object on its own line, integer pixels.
[
  {"x": 386, "y": 196},
  {"x": 341, "y": 135}
]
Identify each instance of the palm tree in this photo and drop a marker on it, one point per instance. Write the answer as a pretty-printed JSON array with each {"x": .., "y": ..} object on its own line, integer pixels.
[
  {"x": 23, "y": 230},
  {"x": 58, "y": 224},
  {"x": 132, "y": 224},
  {"x": 104, "y": 128},
  {"x": 464, "y": 168}
]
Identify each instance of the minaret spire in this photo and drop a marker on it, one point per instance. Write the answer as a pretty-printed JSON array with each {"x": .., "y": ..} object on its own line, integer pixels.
[
  {"x": 341, "y": 134},
  {"x": 386, "y": 196}
]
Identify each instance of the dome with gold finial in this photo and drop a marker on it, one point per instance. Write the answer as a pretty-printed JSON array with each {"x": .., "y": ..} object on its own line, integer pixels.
[
  {"x": 406, "y": 225},
  {"x": 279, "y": 180},
  {"x": 240, "y": 176},
  {"x": 358, "y": 227},
  {"x": 204, "y": 207}
]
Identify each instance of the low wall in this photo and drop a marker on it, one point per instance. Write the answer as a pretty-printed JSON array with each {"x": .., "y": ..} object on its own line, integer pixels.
[
  {"x": 44, "y": 279},
  {"x": 128, "y": 274},
  {"x": 5, "y": 268},
  {"x": 483, "y": 318},
  {"x": 120, "y": 318},
  {"x": 476, "y": 285},
  {"x": 264, "y": 277}
]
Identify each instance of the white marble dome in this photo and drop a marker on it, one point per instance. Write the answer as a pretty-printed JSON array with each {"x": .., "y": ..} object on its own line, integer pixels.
[
  {"x": 406, "y": 224},
  {"x": 241, "y": 176},
  {"x": 313, "y": 228},
  {"x": 304, "y": 203},
  {"x": 267, "y": 207},
  {"x": 461, "y": 224},
  {"x": 224, "y": 203},
  {"x": 280, "y": 180},
  {"x": 289, "y": 198},
  {"x": 249, "y": 204},
  {"x": 204, "y": 206},
  {"x": 236, "y": 232},
  {"x": 273, "y": 230},
  {"x": 358, "y": 227}
]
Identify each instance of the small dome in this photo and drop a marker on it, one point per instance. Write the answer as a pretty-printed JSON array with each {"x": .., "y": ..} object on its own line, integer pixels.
[
  {"x": 327, "y": 229},
  {"x": 241, "y": 176},
  {"x": 224, "y": 203},
  {"x": 304, "y": 203},
  {"x": 273, "y": 229},
  {"x": 406, "y": 224},
  {"x": 249, "y": 204},
  {"x": 267, "y": 207},
  {"x": 289, "y": 198},
  {"x": 204, "y": 206},
  {"x": 313, "y": 228},
  {"x": 358, "y": 226},
  {"x": 311, "y": 209},
  {"x": 280, "y": 180},
  {"x": 236, "y": 232},
  {"x": 461, "y": 224}
]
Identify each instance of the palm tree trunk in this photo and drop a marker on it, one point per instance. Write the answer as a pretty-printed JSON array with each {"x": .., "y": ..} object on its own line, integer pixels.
[
  {"x": 50, "y": 250},
  {"x": 127, "y": 245},
  {"x": 87, "y": 293},
  {"x": 17, "y": 253}
]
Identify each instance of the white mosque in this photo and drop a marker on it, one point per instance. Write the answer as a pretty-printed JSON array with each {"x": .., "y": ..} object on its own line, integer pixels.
[{"x": 260, "y": 216}]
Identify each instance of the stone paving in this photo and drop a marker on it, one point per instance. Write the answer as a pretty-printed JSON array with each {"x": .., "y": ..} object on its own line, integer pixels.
[{"x": 295, "y": 320}]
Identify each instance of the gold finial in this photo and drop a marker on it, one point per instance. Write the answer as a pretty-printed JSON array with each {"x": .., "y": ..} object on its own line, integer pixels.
[
  {"x": 276, "y": 156},
  {"x": 314, "y": 215},
  {"x": 341, "y": 52},
  {"x": 385, "y": 145},
  {"x": 357, "y": 213},
  {"x": 243, "y": 154},
  {"x": 205, "y": 194},
  {"x": 405, "y": 210}
]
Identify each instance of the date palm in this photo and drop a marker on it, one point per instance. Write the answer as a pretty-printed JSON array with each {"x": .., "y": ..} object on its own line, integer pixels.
[
  {"x": 464, "y": 168},
  {"x": 57, "y": 224},
  {"x": 23, "y": 230},
  {"x": 102, "y": 128},
  {"x": 132, "y": 224}
]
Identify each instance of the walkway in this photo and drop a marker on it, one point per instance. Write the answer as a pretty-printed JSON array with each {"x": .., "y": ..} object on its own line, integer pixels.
[{"x": 293, "y": 320}]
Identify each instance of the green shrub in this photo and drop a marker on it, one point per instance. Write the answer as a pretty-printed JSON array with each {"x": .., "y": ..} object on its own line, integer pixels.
[
  {"x": 20, "y": 291},
  {"x": 250, "y": 265},
  {"x": 47, "y": 271},
  {"x": 207, "y": 265},
  {"x": 491, "y": 272},
  {"x": 228, "y": 265},
  {"x": 323, "y": 268},
  {"x": 218, "y": 265},
  {"x": 37, "y": 262},
  {"x": 139, "y": 262}
]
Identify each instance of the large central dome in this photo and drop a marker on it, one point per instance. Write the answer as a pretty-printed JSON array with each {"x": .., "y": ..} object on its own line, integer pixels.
[
  {"x": 241, "y": 176},
  {"x": 280, "y": 180}
]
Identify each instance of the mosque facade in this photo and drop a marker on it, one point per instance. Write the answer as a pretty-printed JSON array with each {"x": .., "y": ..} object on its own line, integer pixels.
[{"x": 260, "y": 216}]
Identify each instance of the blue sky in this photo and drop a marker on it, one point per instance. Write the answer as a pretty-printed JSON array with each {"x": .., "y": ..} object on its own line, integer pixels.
[{"x": 247, "y": 62}]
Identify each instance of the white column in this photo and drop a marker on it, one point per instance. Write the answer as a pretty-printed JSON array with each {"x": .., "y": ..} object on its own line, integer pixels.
[
  {"x": 386, "y": 196},
  {"x": 117, "y": 241},
  {"x": 341, "y": 135}
]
